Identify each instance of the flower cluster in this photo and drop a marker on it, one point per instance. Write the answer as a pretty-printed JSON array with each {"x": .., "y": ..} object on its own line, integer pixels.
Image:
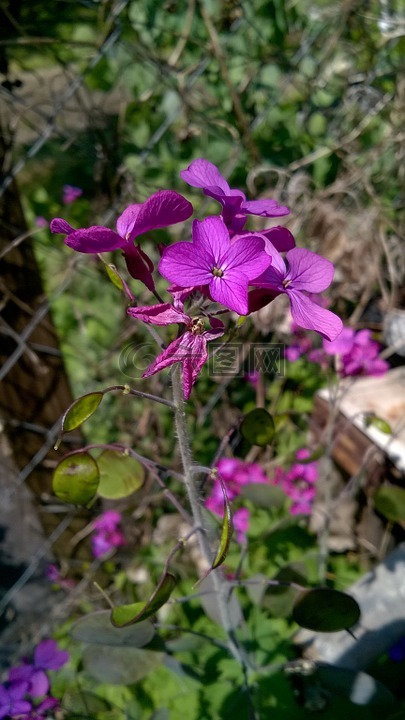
[
  {"x": 357, "y": 353},
  {"x": 235, "y": 473},
  {"x": 26, "y": 694},
  {"x": 107, "y": 534},
  {"x": 298, "y": 483},
  {"x": 224, "y": 263}
]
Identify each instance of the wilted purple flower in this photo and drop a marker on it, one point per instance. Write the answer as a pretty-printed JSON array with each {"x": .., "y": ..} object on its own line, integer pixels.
[
  {"x": 190, "y": 349},
  {"x": 357, "y": 353},
  {"x": 70, "y": 194},
  {"x": 11, "y": 700},
  {"x": 301, "y": 273},
  {"x": 107, "y": 535},
  {"x": 212, "y": 259},
  {"x": 163, "y": 208},
  {"x": 203, "y": 174}
]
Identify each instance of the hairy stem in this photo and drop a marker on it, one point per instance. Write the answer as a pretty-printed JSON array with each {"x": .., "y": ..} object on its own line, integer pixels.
[{"x": 221, "y": 587}]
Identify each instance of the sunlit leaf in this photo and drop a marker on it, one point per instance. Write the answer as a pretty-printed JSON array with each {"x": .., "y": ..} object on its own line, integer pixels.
[
  {"x": 279, "y": 600},
  {"x": 97, "y": 629},
  {"x": 358, "y": 687},
  {"x": 75, "y": 479},
  {"x": 124, "y": 615},
  {"x": 371, "y": 420},
  {"x": 211, "y": 605},
  {"x": 120, "y": 665},
  {"x": 325, "y": 610},
  {"x": 227, "y": 529},
  {"x": 389, "y": 500},
  {"x": 80, "y": 411},
  {"x": 258, "y": 427},
  {"x": 120, "y": 474}
]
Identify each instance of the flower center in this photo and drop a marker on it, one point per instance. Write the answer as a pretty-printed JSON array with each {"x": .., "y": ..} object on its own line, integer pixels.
[
  {"x": 217, "y": 272},
  {"x": 286, "y": 283},
  {"x": 197, "y": 326}
]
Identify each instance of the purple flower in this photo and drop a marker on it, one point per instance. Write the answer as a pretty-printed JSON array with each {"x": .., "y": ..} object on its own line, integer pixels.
[
  {"x": 47, "y": 656},
  {"x": 298, "y": 483},
  {"x": 163, "y": 208},
  {"x": 241, "y": 522},
  {"x": 203, "y": 174},
  {"x": 303, "y": 272},
  {"x": 212, "y": 259},
  {"x": 107, "y": 534},
  {"x": 11, "y": 700},
  {"x": 41, "y": 222},
  {"x": 70, "y": 194},
  {"x": 357, "y": 353},
  {"x": 41, "y": 710},
  {"x": 190, "y": 349}
]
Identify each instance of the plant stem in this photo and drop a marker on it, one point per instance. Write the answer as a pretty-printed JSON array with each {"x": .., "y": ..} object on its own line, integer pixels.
[{"x": 221, "y": 587}]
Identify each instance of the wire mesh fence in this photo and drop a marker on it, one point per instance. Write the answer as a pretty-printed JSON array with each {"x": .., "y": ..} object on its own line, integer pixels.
[{"x": 115, "y": 97}]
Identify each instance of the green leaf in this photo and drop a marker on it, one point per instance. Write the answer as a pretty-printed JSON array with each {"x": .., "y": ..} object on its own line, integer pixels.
[
  {"x": 129, "y": 614},
  {"x": 227, "y": 529},
  {"x": 96, "y": 629},
  {"x": 264, "y": 496},
  {"x": 114, "y": 276},
  {"x": 80, "y": 411},
  {"x": 358, "y": 687},
  {"x": 75, "y": 479},
  {"x": 120, "y": 474},
  {"x": 120, "y": 665},
  {"x": 258, "y": 427},
  {"x": 389, "y": 500},
  {"x": 371, "y": 420},
  {"x": 325, "y": 610}
]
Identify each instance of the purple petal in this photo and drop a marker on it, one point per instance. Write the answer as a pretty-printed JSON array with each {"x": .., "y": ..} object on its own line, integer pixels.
[
  {"x": 231, "y": 290},
  {"x": 343, "y": 343},
  {"x": 95, "y": 239},
  {"x": 139, "y": 265},
  {"x": 313, "y": 317},
  {"x": 39, "y": 684},
  {"x": 248, "y": 255},
  {"x": 177, "y": 351},
  {"x": 20, "y": 707},
  {"x": 126, "y": 221},
  {"x": 193, "y": 363},
  {"x": 182, "y": 264},
  {"x": 264, "y": 208},
  {"x": 59, "y": 225},
  {"x": 309, "y": 271},
  {"x": 280, "y": 238},
  {"x": 17, "y": 690},
  {"x": 163, "y": 208},
  {"x": 48, "y": 656},
  {"x": 163, "y": 314},
  {"x": 203, "y": 174},
  {"x": 211, "y": 236}
]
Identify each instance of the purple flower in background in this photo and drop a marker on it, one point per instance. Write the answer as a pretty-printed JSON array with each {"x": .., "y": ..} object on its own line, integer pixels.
[
  {"x": 163, "y": 208},
  {"x": 11, "y": 700},
  {"x": 107, "y": 535},
  {"x": 301, "y": 273},
  {"x": 70, "y": 194},
  {"x": 47, "y": 656},
  {"x": 235, "y": 474},
  {"x": 299, "y": 482},
  {"x": 203, "y": 174},
  {"x": 40, "y": 711},
  {"x": 212, "y": 259},
  {"x": 190, "y": 349},
  {"x": 241, "y": 522},
  {"x": 357, "y": 353},
  {"x": 41, "y": 222}
]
